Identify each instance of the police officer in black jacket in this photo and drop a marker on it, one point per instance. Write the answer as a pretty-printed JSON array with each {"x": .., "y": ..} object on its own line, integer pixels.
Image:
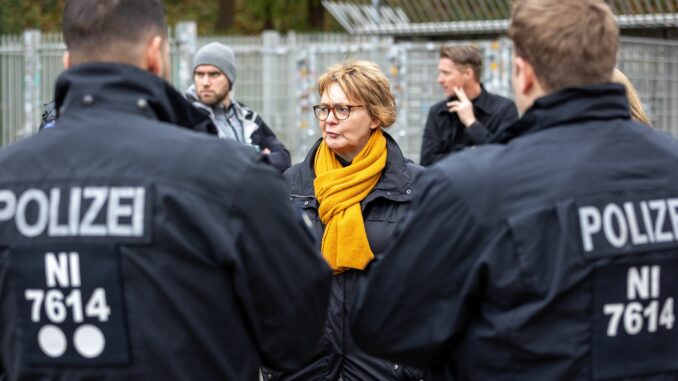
[
  {"x": 132, "y": 248},
  {"x": 552, "y": 257}
]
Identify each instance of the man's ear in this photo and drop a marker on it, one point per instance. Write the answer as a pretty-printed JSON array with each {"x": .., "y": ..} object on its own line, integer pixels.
[
  {"x": 66, "y": 59},
  {"x": 153, "y": 56},
  {"x": 468, "y": 76},
  {"x": 524, "y": 76}
]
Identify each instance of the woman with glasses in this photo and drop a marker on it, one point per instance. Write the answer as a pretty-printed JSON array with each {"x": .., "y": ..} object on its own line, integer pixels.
[{"x": 356, "y": 186}]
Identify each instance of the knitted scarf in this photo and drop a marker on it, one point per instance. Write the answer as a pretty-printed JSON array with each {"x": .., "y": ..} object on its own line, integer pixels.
[{"x": 339, "y": 191}]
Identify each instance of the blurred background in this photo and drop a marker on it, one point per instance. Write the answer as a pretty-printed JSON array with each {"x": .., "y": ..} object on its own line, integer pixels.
[{"x": 282, "y": 46}]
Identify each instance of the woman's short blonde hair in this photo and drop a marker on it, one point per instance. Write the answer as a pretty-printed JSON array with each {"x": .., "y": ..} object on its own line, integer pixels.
[
  {"x": 363, "y": 82},
  {"x": 636, "y": 106}
]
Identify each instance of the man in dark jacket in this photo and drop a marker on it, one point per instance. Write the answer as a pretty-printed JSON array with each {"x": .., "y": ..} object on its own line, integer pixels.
[
  {"x": 470, "y": 115},
  {"x": 132, "y": 248},
  {"x": 551, "y": 257},
  {"x": 214, "y": 74}
]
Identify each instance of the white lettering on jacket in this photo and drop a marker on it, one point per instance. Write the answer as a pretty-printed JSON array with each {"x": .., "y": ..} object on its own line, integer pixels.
[
  {"x": 93, "y": 211},
  {"x": 629, "y": 223}
]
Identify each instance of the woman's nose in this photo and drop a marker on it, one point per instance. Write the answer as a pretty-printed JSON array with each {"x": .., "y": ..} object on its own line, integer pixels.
[{"x": 331, "y": 118}]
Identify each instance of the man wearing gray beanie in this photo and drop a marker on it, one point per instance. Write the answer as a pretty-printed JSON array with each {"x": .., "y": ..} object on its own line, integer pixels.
[{"x": 214, "y": 73}]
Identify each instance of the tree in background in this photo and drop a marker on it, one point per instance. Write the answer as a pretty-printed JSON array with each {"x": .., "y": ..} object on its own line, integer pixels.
[
  {"x": 254, "y": 16},
  {"x": 213, "y": 17},
  {"x": 18, "y": 15},
  {"x": 225, "y": 16},
  {"x": 317, "y": 16}
]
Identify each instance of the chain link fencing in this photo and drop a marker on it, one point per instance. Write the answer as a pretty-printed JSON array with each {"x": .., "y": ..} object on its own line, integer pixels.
[{"x": 277, "y": 74}]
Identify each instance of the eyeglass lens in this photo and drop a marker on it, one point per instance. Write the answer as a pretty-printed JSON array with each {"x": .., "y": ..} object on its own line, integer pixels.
[{"x": 341, "y": 112}]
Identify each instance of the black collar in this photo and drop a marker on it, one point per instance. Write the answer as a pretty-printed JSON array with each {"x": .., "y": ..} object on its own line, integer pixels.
[
  {"x": 395, "y": 177},
  {"x": 483, "y": 102},
  {"x": 126, "y": 88},
  {"x": 569, "y": 106}
]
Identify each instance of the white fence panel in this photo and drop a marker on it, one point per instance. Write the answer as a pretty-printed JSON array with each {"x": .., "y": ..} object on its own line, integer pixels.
[{"x": 277, "y": 76}]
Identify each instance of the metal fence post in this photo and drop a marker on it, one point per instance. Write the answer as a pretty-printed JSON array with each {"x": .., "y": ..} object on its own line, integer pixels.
[
  {"x": 187, "y": 36},
  {"x": 271, "y": 41},
  {"x": 672, "y": 94},
  {"x": 31, "y": 82},
  {"x": 397, "y": 74},
  {"x": 277, "y": 77}
]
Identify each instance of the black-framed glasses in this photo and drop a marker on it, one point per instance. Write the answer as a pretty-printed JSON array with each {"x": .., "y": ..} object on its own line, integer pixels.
[{"x": 341, "y": 112}]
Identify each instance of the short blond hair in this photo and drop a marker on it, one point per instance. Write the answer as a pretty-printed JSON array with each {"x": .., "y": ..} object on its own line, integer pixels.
[
  {"x": 635, "y": 105},
  {"x": 569, "y": 43},
  {"x": 464, "y": 55},
  {"x": 363, "y": 81}
]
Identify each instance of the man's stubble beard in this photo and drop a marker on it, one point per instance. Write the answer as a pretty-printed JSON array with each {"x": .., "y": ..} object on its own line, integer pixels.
[{"x": 219, "y": 98}]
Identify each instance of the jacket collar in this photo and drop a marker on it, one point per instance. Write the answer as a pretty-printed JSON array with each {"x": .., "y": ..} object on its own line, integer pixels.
[
  {"x": 395, "y": 180},
  {"x": 128, "y": 89},
  {"x": 568, "y": 106},
  {"x": 483, "y": 102}
]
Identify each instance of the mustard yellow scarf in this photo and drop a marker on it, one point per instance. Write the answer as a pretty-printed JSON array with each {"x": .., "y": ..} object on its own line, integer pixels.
[{"x": 339, "y": 191}]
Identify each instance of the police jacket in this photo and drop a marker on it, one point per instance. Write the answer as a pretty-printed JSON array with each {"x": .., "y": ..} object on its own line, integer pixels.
[
  {"x": 383, "y": 210},
  {"x": 126, "y": 254},
  {"x": 243, "y": 124},
  {"x": 552, "y": 257},
  {"x": 444, "y": 132},
  {"x": 196, "y": 121}
]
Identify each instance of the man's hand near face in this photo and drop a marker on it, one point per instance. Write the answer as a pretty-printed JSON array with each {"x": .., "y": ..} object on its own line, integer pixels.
[{"x": 463, "y": 107}]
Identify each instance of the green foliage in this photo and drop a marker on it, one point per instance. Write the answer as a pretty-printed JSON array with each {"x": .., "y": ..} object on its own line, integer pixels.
[
  {"x": 251, "y": 16},
  {"x": 18, "y": 15},
  {"x": 202, "y": 12}
]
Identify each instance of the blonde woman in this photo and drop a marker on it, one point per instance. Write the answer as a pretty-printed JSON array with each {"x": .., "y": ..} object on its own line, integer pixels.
[
  {"x": 356, "y": 187},
  {"x": 635, "y": 105}
]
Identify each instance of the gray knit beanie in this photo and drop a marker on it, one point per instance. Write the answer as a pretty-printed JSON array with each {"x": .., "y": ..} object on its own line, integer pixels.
[{"x": 218, "y": 55}]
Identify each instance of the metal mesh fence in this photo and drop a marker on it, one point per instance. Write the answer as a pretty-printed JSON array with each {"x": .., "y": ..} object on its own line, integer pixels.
[
  {"x": 11, "y": 87},
  {"x": 277, "y": 74},
  {"x": 652, "y": 66},
  {"x": 277, "y": 79},
  {"x": 463, "y": 17}
]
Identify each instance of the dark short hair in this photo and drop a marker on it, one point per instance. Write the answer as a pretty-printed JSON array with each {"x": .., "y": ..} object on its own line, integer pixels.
[
  {"x": 464, "y": 55},
  {"x": 568, "y": 43},
  {"x": 93, "y": 28}
]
